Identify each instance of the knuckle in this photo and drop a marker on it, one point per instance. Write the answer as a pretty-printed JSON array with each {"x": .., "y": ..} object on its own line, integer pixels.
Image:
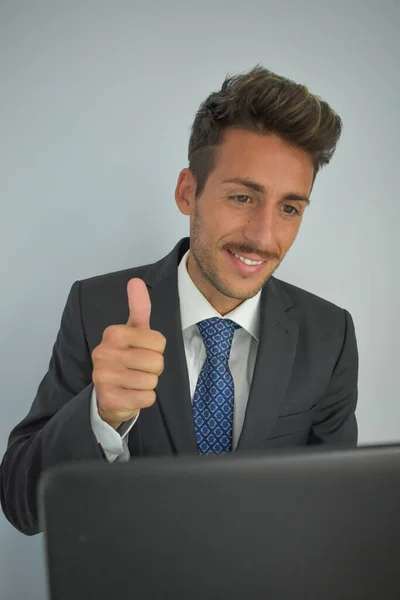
[
  {"x": 151, "y": 398},
  {"x": 95, "y": 354},
  {"x": 108, "y": 332},
  {"x": 99, "y": 353},
  {"x": 160, "y": 365},
  {"x": 147, "y": 399},
  {"x": 112, "y": 333},
  {"x": 162, "y": 340},
  {"x": 153, "y": 381},
  {"x": 145, "y": 381}
]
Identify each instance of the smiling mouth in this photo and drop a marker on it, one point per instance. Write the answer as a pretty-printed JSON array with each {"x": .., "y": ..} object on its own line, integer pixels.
[
  {"x": 244, "y": 265},
  {"x": 247, "y": 260}
]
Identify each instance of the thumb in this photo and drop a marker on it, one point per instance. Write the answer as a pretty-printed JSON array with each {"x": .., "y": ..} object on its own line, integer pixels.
[{"x": 139, "y": 304}]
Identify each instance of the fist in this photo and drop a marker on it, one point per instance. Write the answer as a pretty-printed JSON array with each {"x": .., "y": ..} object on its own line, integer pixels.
[{"x": 128, "y": 361}]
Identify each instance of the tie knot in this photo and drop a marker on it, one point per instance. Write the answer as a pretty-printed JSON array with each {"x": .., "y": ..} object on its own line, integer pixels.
[{"x": 217, "y": 336}]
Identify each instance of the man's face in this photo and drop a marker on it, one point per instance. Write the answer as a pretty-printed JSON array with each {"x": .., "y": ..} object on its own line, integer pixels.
[{"x": 247, "y": 208}]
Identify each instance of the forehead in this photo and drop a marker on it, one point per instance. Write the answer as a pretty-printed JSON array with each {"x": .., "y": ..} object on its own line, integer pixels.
[{"x": 264, "y": 158}]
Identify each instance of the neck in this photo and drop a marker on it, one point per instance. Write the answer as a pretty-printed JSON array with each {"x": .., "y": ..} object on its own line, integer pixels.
[{"x": 221, "y": 303}]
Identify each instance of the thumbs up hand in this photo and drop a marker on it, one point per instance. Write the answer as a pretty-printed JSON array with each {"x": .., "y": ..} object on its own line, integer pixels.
[{"x": 128, "y": 361}]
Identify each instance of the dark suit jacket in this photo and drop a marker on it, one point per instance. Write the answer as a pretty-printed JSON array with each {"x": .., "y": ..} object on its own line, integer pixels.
[{"x": 304, "y": 388}]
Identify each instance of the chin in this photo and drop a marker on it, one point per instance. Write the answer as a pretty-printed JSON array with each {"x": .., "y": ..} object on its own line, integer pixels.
[{"x": 240, "y": 293}]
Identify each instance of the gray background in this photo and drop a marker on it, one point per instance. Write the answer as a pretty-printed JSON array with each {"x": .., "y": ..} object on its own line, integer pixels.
[{"x": 96, "y": 102}]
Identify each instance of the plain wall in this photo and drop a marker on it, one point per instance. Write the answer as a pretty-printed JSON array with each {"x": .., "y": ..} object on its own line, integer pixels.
[{"x": 96, "y": 103}]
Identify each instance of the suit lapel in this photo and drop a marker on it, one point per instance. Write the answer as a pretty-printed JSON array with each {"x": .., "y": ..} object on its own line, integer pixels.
[
  {"x": 173, "y": 390},
  {"x": 276, "y": 352}
]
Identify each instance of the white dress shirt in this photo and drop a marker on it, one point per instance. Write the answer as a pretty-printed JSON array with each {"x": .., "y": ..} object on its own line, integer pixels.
[{"x": 194, "y": 308}]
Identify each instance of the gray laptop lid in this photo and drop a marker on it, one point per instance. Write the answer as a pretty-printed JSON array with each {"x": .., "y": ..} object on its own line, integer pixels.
[{"x": 314, "y": 525}]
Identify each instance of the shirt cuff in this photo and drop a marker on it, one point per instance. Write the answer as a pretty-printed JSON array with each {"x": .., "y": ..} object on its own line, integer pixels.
[{"x": 114, "y": 443}]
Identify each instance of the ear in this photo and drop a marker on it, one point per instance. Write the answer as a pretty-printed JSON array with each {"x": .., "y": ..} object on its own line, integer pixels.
[{"x": 185, "y": 192}]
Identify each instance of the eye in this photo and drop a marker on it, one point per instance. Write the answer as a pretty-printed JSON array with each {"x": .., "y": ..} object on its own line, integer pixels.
[
  {"x": 292, "y": 209},
  {"x": 241, "y": 198}
]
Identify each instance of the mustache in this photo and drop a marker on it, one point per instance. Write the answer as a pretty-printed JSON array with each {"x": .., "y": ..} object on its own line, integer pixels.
[{"x": 245, "y": 249}]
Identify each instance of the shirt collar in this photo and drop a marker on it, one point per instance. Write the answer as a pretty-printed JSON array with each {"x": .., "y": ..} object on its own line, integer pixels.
[{"x": 195, "y": 307}]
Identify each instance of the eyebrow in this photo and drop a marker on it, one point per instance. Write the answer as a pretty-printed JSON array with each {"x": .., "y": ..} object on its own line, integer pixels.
[{"x": 258, "y": 187}]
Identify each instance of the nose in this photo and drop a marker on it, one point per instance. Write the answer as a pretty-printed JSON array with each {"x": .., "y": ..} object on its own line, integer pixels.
[{"x": 261, "y": 228}]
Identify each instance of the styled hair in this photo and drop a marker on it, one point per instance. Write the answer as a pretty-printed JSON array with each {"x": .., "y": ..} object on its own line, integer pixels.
[{"x": 267, "y": 103}]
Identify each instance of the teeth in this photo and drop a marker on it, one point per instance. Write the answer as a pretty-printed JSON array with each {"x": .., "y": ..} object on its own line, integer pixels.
[{"x": 249, "y": 262}]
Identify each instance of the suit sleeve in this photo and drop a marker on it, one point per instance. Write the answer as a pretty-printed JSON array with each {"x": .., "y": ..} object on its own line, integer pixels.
[
  {"x": 57, "y": 428},
  {"x": 335, "y": 421}
]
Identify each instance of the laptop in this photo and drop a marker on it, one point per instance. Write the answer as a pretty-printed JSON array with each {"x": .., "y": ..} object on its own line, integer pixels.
[{"x": 304, "y": 525}]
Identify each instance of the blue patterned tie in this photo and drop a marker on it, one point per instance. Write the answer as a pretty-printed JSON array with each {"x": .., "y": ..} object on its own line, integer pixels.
[{"x": 214, "y": 395}]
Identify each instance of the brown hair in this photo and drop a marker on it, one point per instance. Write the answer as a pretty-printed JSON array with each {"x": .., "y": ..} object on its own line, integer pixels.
[{"x": 267, "y": 103}]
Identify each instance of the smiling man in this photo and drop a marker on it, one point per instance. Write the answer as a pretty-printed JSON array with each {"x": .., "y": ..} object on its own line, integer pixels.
[{"x": 204, "y": 351}]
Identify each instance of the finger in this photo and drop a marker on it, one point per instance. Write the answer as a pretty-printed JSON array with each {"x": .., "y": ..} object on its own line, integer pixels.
[
  {"x": 123, "y": 336},
  {"x": 138, "y": 359},
  {"x": 136, "y": 399},
  {"x": 128, "y": 379},
  {"x": 142, "y": 360},
  {"x": 139, "y": 304}
]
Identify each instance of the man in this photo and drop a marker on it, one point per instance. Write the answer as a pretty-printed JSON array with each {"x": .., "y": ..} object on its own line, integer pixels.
[{"x": 204, "y": 351}]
